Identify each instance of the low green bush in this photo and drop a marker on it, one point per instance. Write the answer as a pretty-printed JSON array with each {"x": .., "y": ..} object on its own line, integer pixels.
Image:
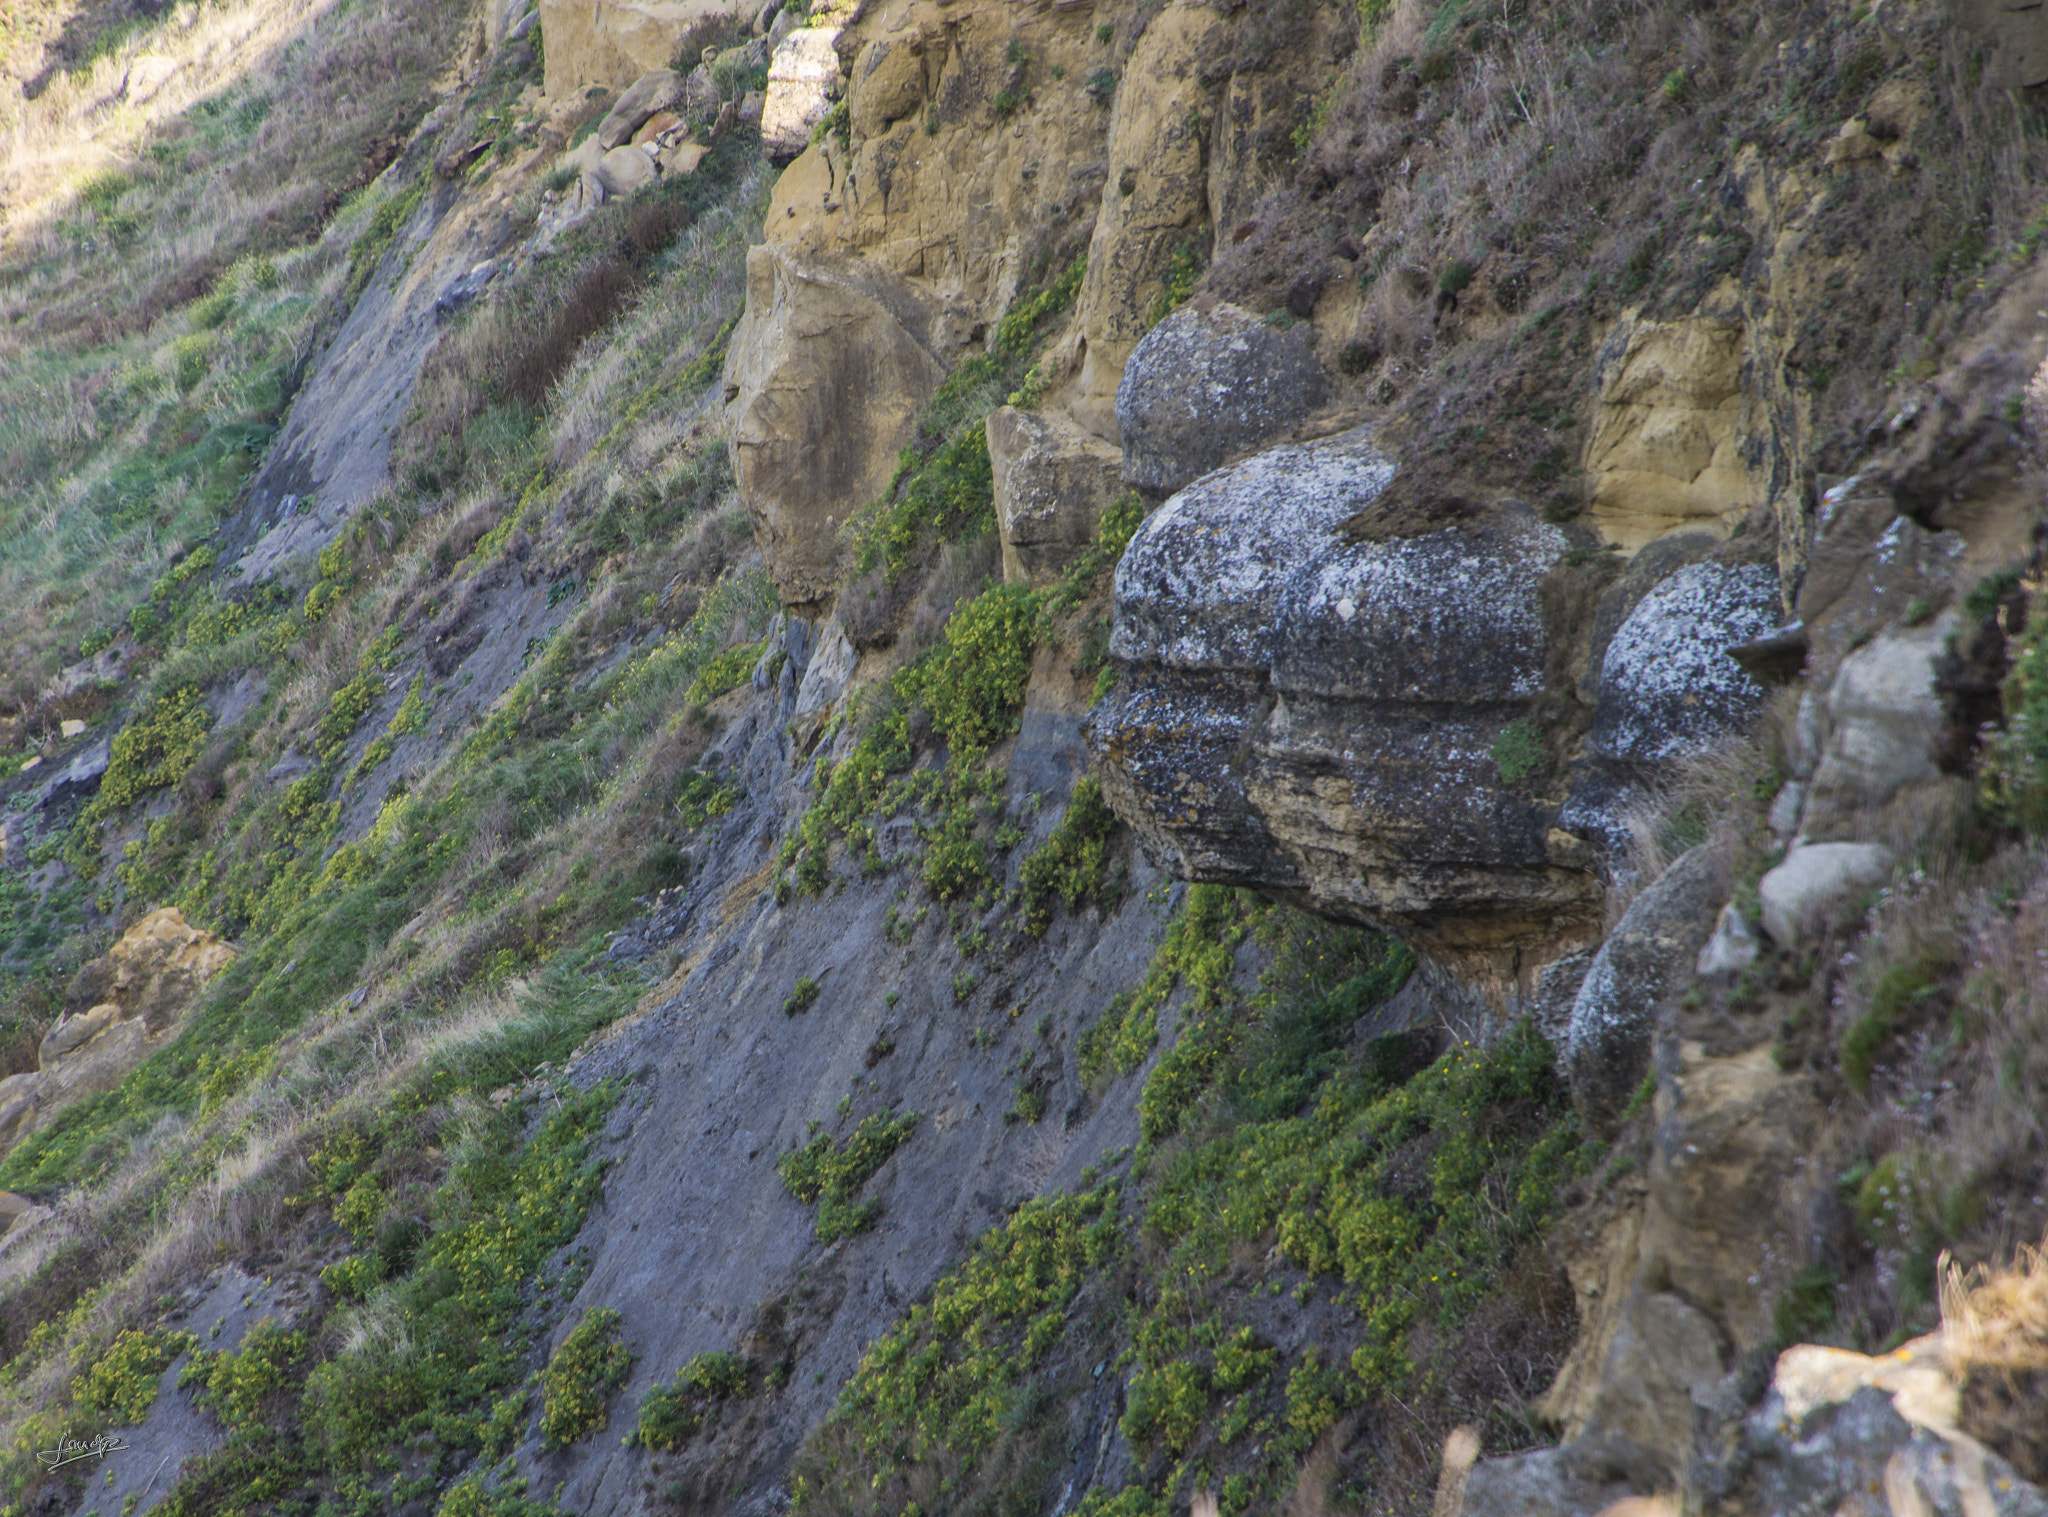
[
  {"x": 672, "y": 1413},
  {"x": 832, "y": 1174},
  {"x": 590, "y": 1364}
]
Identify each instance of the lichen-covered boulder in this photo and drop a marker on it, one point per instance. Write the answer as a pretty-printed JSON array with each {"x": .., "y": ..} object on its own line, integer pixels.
[
  {"x": 1209, "y": 385},
  {"x": 1649, "y": 956},
  {"x": 1318, "y": 716},
  {"x": 1667, "y": 685}
]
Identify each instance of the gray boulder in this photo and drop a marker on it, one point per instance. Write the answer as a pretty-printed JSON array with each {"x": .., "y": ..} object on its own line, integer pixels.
[
  {"x": 1648, "y": 957},
  {"x": 1816, "y": 879},
  {"x": 1667, "y": 685},
  {"x": 1886, "y": 725},
  {"x": 1317, "y": 717},
  {"x": 657, "y": 90},
  {"x": 1206, "y": 386}
]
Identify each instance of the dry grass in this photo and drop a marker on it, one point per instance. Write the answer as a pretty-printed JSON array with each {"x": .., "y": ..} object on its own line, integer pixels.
[
  {"x": 1502, "y": 179},
  {"x": 116, "y": 218},
  {"x": 1997, "y": 1317}
]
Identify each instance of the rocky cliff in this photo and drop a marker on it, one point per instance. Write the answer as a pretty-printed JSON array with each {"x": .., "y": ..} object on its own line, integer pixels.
[{"x": 1114, "y": 760}]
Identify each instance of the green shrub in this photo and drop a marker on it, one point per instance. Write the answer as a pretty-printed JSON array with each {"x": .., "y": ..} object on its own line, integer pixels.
[
  {"x": 237, "y": 1385},
  {"x": 1197, "y": 948},
  {"x": 585, "y": 1370},
  {"x": 125, "y": 1379},
  {"x": 726, "y": 671},
  {"x": 465, "y": 1311},
  {"x": 672, "y": 1413},
  {"x": 833, "y": 1175},
  {"x": 703, "y": 798},
  {"x": 1073, "y": 863},
  {"x": 1183, "y": 268},
  {"x": 975, "y": 689},
  {"x": 800, "y": 996},
  {"x": 940, "y": 1384},
  {"x": 368, "y": 250},
  {"x": 157, "y": 749},
  {"x": 191, "y": 357},
  {"x": 1898, "y": 987},
  {"x": 1165, "y": 1407}
]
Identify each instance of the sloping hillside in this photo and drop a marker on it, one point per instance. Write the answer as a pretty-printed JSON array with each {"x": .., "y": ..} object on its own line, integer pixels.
[{"x": 1130, "y": 759}]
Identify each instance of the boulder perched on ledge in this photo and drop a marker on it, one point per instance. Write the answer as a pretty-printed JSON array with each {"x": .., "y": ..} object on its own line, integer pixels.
[
  {"x": 1318, "y": 717},
  {"x": 1209, "y": 385}
]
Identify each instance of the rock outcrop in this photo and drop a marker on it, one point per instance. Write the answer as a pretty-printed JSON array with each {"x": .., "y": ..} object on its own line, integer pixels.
[
  {"x": 824, "y": 378},
  {"x": 1320, "y": 718},
  {"x": 1664, "y": 450},
  {"x": 804, "y": 80},
  {"x": 122, "y": 1007},
  {"x": 1209, "y": 385},
  {"x": 1052, "y": 483},
  {"x": 614, "y": 42},
  {"x": 1142, "y": 153}
]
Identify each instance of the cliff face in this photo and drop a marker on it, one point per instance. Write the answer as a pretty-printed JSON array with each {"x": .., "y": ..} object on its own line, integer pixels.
[{"x": 1121, "y": 760}]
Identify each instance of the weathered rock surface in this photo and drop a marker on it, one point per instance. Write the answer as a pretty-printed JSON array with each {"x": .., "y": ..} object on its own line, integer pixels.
[
  {"x": 1667, "y": 685},
  {"x": 804, "y": 80},
  {"x": 824, "y": 378},
  {"x": 1648, "y": 957},
  {"x": 1815, "y": 879},
  {"x": 654, "y": 91},
  {"x": 1664, "y": 449},
  {"x": 1885, "y": 731},
  {"x": 1193, "y": 129},
  {"x": 1315, "y": 717},
  {"x": 1209, "y": 385},
  {"x": 1869, "y": 567},
  {"x": 121, "y": 1007},
  {"x": 613, "y": 42},
  {"x": 887, "y": 83},
  {"x": 1052, "y": 483}
]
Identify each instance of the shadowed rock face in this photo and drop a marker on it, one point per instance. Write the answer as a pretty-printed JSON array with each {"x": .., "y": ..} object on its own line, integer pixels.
[
  {"x": 824, "y": 378},
  {"x": 1315, "y": 717}
]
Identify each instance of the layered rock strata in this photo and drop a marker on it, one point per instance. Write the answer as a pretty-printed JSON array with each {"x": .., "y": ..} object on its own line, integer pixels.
[{"x": 1319, "y": 718}]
